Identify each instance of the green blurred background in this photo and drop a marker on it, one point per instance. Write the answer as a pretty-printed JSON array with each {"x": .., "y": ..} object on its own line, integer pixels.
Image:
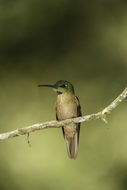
[{"x": 84, "y": 42}]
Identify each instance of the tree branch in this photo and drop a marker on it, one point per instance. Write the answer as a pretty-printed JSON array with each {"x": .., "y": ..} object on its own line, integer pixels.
[{"x": 56, "y": 124}]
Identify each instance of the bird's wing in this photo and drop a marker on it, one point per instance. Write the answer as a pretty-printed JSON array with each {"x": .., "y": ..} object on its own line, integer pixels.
[{"x": 79, "y": 113}]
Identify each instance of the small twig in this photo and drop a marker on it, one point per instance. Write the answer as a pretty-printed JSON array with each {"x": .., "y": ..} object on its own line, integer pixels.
[
  {"x": 56, "y": 124},
  {"x": 28, "y": 140}
]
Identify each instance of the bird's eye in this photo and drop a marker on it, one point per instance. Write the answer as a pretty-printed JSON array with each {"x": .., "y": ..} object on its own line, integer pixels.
[{"x": 63, "y": 86}]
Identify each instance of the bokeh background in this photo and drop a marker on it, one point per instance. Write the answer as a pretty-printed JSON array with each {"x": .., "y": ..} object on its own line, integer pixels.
[{"x": 84, "y": 42}]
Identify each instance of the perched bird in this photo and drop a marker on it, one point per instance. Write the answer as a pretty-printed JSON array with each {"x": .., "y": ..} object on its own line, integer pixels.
[{"x": 67, "y": 106}]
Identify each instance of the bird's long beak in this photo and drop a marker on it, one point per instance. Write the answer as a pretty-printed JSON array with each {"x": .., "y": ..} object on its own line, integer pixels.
[{"x": 47, "y": 85}]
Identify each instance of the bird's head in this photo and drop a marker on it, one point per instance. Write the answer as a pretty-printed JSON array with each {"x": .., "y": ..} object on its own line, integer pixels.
[{"x": 61, "y": 86}]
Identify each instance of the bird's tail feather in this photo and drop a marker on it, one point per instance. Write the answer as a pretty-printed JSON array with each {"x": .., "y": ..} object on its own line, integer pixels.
[{"x": 72, "y": 145}]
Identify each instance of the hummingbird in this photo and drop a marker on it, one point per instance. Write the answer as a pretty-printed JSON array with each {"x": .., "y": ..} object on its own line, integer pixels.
[{"x": 67, "y": 106}]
